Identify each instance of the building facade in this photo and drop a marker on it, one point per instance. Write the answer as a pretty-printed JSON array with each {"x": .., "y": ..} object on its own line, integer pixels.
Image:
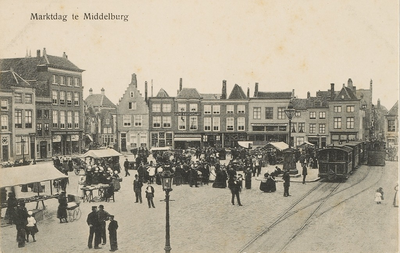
[{"x": 392, "y": 126}]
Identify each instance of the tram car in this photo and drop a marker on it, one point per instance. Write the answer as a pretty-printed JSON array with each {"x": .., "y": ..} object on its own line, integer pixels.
[
  {"x": 376, "y": 153},
  {"x": 359, "y": 154},
  {"x": 335, "y": 162}
]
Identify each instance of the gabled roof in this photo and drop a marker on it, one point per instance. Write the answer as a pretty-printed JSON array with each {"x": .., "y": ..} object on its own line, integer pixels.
[
  {"x": 274, "y": 95},
  {"x": 62, "y": 63},
  {"x": 394, "y": 111},
  {"x": 237, "y": 93},
  {"x": 162, "y": 94},
  {"x": 9, "y": 78},
  {"x": 188, "y": 93},
  {"x": 345, "y": 94},
  {"x": 99, "y": 100}
]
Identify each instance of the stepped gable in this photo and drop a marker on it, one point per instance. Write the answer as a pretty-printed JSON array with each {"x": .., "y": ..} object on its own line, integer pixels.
[
  {"x": 162, "y": 94},
  {"x": 188, "y": 93},
  {"x": 237, "y": 93}
]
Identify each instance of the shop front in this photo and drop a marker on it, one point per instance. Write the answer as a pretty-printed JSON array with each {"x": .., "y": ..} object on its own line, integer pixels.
[
  {"x": 184, "y": 141},
  {"x": 66, "y": 143}
]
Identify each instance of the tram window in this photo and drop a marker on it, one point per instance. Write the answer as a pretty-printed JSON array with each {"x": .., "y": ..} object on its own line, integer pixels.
[{"x": 340, "y": 156}]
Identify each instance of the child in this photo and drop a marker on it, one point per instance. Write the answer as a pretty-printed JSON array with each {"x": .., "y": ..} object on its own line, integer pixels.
[
  {"x": 31, "y": 227},
  {"x": 112, "y": 231},
  {"x": 379, "y": 195}
]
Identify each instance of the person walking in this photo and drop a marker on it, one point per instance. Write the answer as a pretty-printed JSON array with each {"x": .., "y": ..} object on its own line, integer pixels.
[
  {"x": 137, "y": 188},
  {"x": 379, "y": 195},
  {"x": 286, "y": 183},
  {"x": 112, "y": 231},
  {"x": 94, "y": 228},
  {"x": 126, "y": 167},
  {"x": 150, "y": 195},
  {"x": 12, "y": 204},
  {"x": 20, "y": 221},
  {"x": 304, "y": 172},
  {"x": 31, "y": 228},
  {"x": 62, "y": 207},
  {"x": 103, "y": 216},
  {"x": 235, "y": 188}
]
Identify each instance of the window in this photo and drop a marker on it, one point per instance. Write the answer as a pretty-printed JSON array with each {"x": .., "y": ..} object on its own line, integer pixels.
[
  {"x": 45, "y": 114},
  {"x": 294, "y": 127},
  {"x": 391, "y": 126},
  {"x": 38, "y": 114},
  {"x": 302, "y": 127},
  {"x": 193, "y": 123},
  {"x": 76, "y": 98},
  {"x": 4, "y": 122},
  {"x": 76, "y": 120},
  {"x": 230, "y": 109},
  {"x": 297, "y": 114},
  {"x": 76, "y": 81},
  {"x": 28, "y": 119},
  {"x": 22, "y": 144},
  {"x": 207, "y": 124},
  {"x": 69, "y": 119},
  {"x": 241, "y": 121},
  {"x": 4, "y": 105},
  {"x": 126, "y": 120},
  {"x": 241, "y": 109},
  {"x": 62, "y": 119},
  {"x": 350, "y": 108},
  {"x": 156, "y": 107},
  {"x": 337, "y": 109},
  {"x": 55, "y": 119},
  {"x": 281, "y": 113},
  {"x": 39, "y": 129},
  {"x": 69, "y": 83},
  {"x": 18, "y": 98},
  {"x": 257, "y": 113},
  {"x": 216, "y": 109},
  {"x": 132, "y": 105},
  {"x": 55, "y": 97},
  {"x": 181, "y": 107},
  {"x": 62, "y": 80},
  {"x": 230, "y": 124},
  {"x": 182, "y": 123},
  {"x": 54, "y": 79},
  {"x": 138, "y": 120},
  {"x": 166, "y": 107},
  {"x": 207, "y": 109},
  {"x": 69, "y": 98},
  {"x": 18, "y": 118},
  {"x": 299, "y": 140},
  {"x": 62, "y": 97},
  {"x": 28, "y": 98},
  {"x": 322, "y": 128},
  {"x": 337, "y": 123},
  {"x": 350, "y": 122},
  {"x": 322, "y": 115},
  {"x": 312, "y": 128},
  {"x": 156, "y": 121},
  {"x": 166, "y": 122},
  {"x": 193, "y": 107},
  {"x": 131, "y": 94},
  {"x": 107, "y": 121},
  {"x": 46, "y": 128},
  {"x": 216, "y": 124},
  {"x": 269, "y": 112},
  {"x": 313, "y": 115}
]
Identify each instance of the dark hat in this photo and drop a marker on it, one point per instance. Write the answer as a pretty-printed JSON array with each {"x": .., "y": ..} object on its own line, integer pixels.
[
  {"x": 266, "y": 174},
  {"x": 101, "y": 206},
  {"x": 112, "y": 216},
  {"x": 94, "y": 207}
]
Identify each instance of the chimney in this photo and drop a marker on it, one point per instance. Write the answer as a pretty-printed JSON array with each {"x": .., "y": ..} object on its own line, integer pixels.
[
  {"x": 223, "y": 96},
  {"x": 38, "y": 53},
  {"x": 180, "y": 84},
  {"x": 332, "y": 91},
  {"x": 65, "y": 55},
  {"x": 350, "y": 83},
  {"x": 379, "y": 104},
  {"x": 44, "y": 51},
  {"x": 292, "y": 93},
  {"x": 151, "y": 87},
  {"x": 308, "y": 94},
  {"x": 90, "y": 91},
  {"x": 134, "y": 81},
  {"x": 248, "y": 92},
  {"x": 256, "y": 90},
  {"x": 145, "y": 91},
  {"x": 103, "y": 91}
]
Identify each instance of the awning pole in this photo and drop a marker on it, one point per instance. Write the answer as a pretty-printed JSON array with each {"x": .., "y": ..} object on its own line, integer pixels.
[{"x": 51, "y": 187}]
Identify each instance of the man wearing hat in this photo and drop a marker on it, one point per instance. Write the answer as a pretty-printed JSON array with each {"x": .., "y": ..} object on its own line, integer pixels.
[
  {"x": 103, "y": 216},
  {"x": 112, "y": 230},
  {"x": 95, "y": 226}
]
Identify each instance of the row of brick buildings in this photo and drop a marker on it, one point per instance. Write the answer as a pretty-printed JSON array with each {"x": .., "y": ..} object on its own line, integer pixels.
[{"x": 43, "y": 114}]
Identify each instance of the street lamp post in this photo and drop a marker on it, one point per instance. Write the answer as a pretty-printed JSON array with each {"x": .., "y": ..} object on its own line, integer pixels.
[
  {"x": 289, "y": 160},
  {"x": 290, "y": 112},
  {"x": 167, "y": 179}
]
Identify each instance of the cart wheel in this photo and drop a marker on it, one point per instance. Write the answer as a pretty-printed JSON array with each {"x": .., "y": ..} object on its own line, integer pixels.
[
  {"x": 77, "y": 214},
  {"x": 70, "y": 216},
  {"x": 332, "y": 176}
]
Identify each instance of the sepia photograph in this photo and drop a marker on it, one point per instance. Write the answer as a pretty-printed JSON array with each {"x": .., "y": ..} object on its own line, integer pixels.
[{"x": 199, "y": 126}]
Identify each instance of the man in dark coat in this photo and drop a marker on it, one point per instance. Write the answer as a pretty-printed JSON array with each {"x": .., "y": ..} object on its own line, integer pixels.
[
  {"x": 137, "y": 188},
  {"x": 103, "y": 216},
  {"x": 286, "y": 183},
  {"x": 126, "y": 167},
  {"x": 304, "y": 172},
  {"x": 95, "y": 228},
  {"x": 112, "y": 231},
  {"x": 235, "y": 188}
]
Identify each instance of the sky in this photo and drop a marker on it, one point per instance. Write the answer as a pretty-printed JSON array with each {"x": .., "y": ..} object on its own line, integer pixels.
[{"x": 282, "y": 45}]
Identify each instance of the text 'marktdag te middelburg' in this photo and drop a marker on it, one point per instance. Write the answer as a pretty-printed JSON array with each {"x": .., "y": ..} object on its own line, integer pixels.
[{"x": 86, "y": 16}]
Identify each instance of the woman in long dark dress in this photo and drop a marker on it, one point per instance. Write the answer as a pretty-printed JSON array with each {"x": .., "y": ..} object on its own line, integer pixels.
[
  {"x": 220, "y": 179},
  {"x": 247, "y": 182},
  {"x": 62, "y": 207}
]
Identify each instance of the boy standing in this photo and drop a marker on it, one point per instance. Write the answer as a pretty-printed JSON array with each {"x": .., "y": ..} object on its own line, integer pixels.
[{"x": 112, "y": 231}]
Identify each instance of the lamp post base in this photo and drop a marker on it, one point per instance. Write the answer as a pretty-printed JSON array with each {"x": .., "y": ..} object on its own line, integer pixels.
[{"x": 167, "y": 249}]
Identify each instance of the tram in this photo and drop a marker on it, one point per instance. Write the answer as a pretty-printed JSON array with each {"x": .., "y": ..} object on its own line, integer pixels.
[{"x": 335, "y": 162}]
